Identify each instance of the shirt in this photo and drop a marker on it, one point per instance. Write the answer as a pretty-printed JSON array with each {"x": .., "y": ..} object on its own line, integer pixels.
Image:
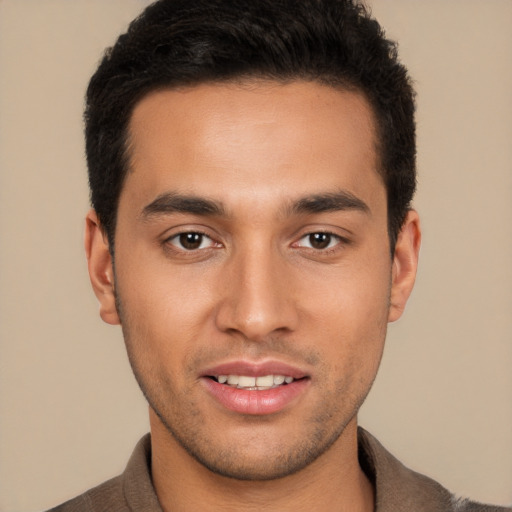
[{"x": 397, "y": 488}]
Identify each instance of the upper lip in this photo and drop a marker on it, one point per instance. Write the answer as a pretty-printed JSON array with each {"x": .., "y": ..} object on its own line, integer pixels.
[{"x": 254, "y": 369}]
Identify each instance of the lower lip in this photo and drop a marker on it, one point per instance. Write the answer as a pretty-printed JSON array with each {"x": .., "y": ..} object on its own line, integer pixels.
[{"x": 256, "y": 402}]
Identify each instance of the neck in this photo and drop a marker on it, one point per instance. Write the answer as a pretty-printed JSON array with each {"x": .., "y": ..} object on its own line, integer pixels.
[{"x": 332, "y": 483}]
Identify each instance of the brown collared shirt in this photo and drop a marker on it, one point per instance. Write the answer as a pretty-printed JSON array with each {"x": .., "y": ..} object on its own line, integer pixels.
[{"x": 397, "y": 488}]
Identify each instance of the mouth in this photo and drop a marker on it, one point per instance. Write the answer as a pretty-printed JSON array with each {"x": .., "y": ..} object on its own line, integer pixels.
[
  {"x": 250, "y": 383},
  {"x": 256, "y": 389}
]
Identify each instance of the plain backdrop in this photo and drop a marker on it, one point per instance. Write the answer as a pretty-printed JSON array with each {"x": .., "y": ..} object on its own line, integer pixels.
[{"x": 70, "y": 411}]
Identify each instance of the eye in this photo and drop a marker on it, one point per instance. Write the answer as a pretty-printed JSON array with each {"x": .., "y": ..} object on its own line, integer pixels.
[
  {"x": 191, "y": 241},
  {"x": 319, "y": 241}
]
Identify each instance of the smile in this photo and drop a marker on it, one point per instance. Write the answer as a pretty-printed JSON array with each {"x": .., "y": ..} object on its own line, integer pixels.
[
  {"x": 255, "y": 389},
  {"x": 250, "y": 383}
]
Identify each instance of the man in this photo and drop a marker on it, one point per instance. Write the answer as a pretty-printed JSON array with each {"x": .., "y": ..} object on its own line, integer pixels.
[{"x": 252, "y": 170}]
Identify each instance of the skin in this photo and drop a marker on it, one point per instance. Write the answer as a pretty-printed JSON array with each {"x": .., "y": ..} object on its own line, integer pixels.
[{"x": 256, "y": 288}]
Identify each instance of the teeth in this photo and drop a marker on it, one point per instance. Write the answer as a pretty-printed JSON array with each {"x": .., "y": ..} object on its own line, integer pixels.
[
  {"x": 266, "y": 381},
  {"x": 254, "y": 383},
  {"x": 233, "y": 380},
  {"x": 246, "y": 382},
  {"x": 279, "y": 379}
]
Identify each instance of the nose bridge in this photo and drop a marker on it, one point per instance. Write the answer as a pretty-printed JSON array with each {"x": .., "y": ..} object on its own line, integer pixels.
[{"x": 258, "y": 301}]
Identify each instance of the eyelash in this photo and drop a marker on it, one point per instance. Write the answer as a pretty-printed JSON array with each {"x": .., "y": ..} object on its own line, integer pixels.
[
  {"x": 332, "y": 237},
  {"x": 178, "y": 236},
  {"x": 333, "y": 242}
]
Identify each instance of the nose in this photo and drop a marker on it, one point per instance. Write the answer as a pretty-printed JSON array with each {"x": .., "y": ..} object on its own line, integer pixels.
[{"x": 257, "y": 299}]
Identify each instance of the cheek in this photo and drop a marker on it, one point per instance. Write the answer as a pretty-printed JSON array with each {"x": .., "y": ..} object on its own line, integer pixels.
[
  {"x": 163, "y": 296},
  {"x": 355, "y": 297},
  {"x": 164, "y": 314},
  {"x": 348, "y": 314}
]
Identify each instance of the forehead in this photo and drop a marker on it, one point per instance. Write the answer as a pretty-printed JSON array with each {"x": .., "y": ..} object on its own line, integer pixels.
[{"x": 255, "y": 137}]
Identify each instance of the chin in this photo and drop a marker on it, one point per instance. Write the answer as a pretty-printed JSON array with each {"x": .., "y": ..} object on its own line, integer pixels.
[{"x": 261, "y": 455}]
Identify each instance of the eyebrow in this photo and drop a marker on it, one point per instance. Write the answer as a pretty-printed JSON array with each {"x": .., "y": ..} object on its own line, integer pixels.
[
  {"x": 329, "y": 202},
  {"x": 168, "y": 203},
  {"x": 177, "y": 203}
]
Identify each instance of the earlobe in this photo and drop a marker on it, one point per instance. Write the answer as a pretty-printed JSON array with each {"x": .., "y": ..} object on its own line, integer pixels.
[
  {"x": 101, "y": 271},
  {"x": 405, "y": 264}
]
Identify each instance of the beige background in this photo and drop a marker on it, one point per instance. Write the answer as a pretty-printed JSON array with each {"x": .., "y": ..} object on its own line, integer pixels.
[{"x": 70, "y": 411}]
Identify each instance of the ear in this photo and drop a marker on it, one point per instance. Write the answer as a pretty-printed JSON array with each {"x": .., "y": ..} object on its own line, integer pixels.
[
  {"x": 405, "y": 264},
  {"x": 101, "y": 271}
]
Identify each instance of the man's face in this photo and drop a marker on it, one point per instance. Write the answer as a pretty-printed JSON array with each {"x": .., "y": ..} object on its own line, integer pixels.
[{"x": 252, "y": 245}]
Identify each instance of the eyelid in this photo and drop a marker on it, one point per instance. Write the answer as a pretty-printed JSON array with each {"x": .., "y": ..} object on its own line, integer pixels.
[
  {"x": 336, "y": 237},
  {"x": 340, "y": 242},
  {"x": 175, "y": 233},
  {"x": 178, "y": 235}
]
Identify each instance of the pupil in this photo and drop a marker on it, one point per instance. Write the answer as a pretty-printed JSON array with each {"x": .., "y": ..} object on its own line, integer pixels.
[
  {"x": 191, "y": 240},
  {"x": 319, "y": 240}
]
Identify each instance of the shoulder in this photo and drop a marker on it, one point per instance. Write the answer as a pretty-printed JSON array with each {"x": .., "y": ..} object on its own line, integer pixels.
[
  {"x": 130, "y": 492},
  {"x": 398, "y": 488},
  {"x": 463, "y": 505},
  {"x": 105, "y": 497}
]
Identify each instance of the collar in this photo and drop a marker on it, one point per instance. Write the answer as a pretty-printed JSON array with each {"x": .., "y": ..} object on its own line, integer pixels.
[{"x": 397, "y": 488}]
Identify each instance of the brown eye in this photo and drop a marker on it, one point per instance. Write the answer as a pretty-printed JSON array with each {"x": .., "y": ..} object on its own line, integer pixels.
[
  {"x": 191, "y": 241},
  {"x": 320, "y": 240}
]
